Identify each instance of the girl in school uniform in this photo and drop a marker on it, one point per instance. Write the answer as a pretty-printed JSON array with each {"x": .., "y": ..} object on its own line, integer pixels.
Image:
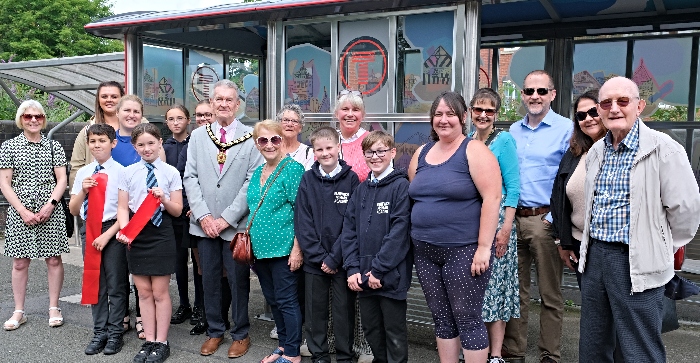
[{"x": 151, "y": 255}]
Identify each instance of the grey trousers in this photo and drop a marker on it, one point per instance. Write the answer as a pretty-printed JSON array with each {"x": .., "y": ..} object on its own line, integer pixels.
[
  {"x": 108, "y": 313},
  {"x": 611, "y": 314}
]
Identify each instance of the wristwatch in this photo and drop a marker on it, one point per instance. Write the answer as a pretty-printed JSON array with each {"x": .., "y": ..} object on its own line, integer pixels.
[
  {"x": 54, "y": 202},
  {"x": 557, "y": 242}
]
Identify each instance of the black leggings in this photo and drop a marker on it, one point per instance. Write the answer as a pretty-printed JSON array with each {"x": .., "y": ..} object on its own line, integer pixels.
[{"x": 454, "y": 297}]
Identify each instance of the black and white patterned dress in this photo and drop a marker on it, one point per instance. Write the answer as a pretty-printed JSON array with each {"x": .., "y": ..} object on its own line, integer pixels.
[{"x": 32, "y": 181}]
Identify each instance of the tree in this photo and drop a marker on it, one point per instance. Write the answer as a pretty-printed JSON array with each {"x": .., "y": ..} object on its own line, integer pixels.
[{"x": 39, "y": 29}]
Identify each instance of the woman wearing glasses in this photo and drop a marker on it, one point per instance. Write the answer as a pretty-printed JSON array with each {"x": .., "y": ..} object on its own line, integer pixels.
[
  {"x": 292, "y": 119},
  {"x": 271, "y": 195},
  {"x": 567, "y": 204},
  {"x": 350, "y": 111},
  {"x": 33, "y": 179},
  {"x": 502, "y": 297}
]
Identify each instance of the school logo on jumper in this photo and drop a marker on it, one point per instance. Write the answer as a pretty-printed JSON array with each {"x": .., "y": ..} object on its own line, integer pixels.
[
  {"x": 341, "y": 198},
  {"x": 382, "y": 207}
]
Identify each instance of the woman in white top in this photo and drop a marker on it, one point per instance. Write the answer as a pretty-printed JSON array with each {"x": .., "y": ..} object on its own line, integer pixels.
[{"x": 292, "y": 119}]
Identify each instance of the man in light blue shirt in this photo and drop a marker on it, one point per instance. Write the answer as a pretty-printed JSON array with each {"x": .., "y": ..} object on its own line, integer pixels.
[{"x": 542, "y": 138}]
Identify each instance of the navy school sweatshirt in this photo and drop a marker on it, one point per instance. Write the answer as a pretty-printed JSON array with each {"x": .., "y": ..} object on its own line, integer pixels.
[
  {"x": 318, "y": 216},
  {"x": 376, "y": 235}
]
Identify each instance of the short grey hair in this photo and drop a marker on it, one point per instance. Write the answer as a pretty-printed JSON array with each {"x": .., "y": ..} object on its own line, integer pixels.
[
  {"x": 293, "y": 108},
  {"x": 353, "y": 99},
  {"x": 26, "y": 105},
  {"x": 225, "y": 83}
]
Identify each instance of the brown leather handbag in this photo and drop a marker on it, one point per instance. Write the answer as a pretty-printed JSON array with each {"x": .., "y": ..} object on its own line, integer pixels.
[{"x": 240, "y": 246}]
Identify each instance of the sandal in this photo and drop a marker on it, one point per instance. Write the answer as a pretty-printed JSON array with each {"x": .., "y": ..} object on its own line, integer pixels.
[
  {"x": 13, "y": 324},
  {"x": 139, "y": 328},
  {"x": 56, "y": 321},
  {"x": 277, "y": 351},
  {"x": 126, "y": 324}
]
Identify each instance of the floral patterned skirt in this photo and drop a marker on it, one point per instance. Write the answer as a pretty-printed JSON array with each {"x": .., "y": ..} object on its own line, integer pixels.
[{"x": 502, "y": 298}]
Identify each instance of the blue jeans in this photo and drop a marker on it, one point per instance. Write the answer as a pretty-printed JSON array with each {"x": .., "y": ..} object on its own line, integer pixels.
[{"x": 279, "y": 286}]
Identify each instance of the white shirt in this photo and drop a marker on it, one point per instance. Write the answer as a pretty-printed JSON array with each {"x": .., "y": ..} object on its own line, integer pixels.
[
  {"x": 352, "y": 138},
  {"x": 384, "y": 174},
  {"x": 113, "y": 170},
  {"x": 230, "y": 130},
  {"x": 333, "y": 172},
  {"x": 133, "y": 181},
  {"x": 304, "y": 155}
]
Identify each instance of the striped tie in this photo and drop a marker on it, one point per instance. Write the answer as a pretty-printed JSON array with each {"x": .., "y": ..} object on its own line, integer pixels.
[
  {"x": 85, "y": 206},
  {"x": 152, "y": 182}
]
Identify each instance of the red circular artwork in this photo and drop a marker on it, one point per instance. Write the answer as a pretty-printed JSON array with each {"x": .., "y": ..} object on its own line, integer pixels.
[{"x": 357, "y": 62}]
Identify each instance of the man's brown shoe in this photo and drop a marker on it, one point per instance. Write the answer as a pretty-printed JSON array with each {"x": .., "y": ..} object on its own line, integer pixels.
[
  {"x": 211, "y": 346},
  {"x": 239, "y": 348}
]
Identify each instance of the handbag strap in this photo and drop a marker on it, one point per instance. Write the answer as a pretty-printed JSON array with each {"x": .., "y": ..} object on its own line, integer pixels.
[
  {"x": 250, "y": 224},
  {"x": 53, "y": 169},
  {"x": 492, "y": 136}
]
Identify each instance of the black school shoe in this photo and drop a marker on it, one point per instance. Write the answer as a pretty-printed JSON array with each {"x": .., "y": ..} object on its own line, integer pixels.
[
  {"x": 197, "y": 313},
  {"x": 114, "y": 345},
  {"x": 160, "y": 353},
  {"x": 200, "y": 328},
  {"x": 97, "y": 344},
  {"x": 183, "y": 313},
  {"x": 145, "y": 352}
]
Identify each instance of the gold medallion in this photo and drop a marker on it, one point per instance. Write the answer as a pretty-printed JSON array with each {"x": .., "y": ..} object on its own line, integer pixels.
[{"x": 221, "y": 157}]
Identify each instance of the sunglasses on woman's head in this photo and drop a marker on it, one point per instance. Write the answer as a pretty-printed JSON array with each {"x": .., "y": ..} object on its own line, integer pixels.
[
  {"x": 28, "y": 117},
  {"x": 347, "y": 92},
  {"x": 581, "y": 115},
  {"x": 275, "y": 140},
  {"x": 540, "y": 91}
]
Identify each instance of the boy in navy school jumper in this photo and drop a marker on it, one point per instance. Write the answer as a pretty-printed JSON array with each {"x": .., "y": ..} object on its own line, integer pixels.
[
  {"x": 177, "y": 118},
  {"x": 107, "y": 314},
  {"x": 377, "y": 250},
  {"x": 323, "y": 195}
]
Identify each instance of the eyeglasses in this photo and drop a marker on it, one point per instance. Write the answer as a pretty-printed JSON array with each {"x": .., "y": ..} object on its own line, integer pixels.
[
  {"x": 581, "y": 115},
  {"x": 479, "y": 110},
  {"x": 176, "y": 120},
  {"x": 229, "y": 101},
  {"x": 540, "y": 91},
  {"x": 28, "y": 117},
  {"x": 275, "y": 140},
  {"x": 203, "y": 115},
  {"x": 289, "y": 121},
  {"x": 347, "y": 92},
  {"x": 380, "y": 153},
  {"x": 621, "y": 102}
]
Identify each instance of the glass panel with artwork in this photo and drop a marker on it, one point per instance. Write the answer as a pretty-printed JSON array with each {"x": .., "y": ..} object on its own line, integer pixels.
[
  {"x": 245, "y": 73},
  {"x": 204, "y": 70},
  {"x": 308, "y": 63},
  {"x": 162, "y": 80}
]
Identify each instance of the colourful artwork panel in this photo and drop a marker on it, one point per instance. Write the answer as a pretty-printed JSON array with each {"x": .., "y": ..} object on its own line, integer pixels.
[
  {"x": 307, "y": 75},
  {"x": 162, "y": 80},
  {"x": 204, "y": 70}
]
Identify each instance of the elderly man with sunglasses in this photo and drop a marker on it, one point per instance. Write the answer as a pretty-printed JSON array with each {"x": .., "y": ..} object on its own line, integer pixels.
[
  {"x": 642, "y": 204},
  {"x": 542, "y": 138},
  {"x": 221, "y": 158}
]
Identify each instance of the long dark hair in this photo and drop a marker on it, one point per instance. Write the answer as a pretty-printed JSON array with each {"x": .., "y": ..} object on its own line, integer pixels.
[
  {"x": 580, "y": 142},
  {"x": 99, "y": 114},
  {"x": 456, "y": 103}
]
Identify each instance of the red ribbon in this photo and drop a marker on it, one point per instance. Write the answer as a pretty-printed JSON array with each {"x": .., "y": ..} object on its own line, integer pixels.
[
  {"x": 93, "y": 229},
  {"x": 140, "y": 218}
]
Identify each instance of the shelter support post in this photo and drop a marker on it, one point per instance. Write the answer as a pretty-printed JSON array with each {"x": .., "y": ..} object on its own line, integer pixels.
[
  {"x": 472, "y": 45},
  {"x": 9, "y": 93},
  {"x": 133, "y": 58}
]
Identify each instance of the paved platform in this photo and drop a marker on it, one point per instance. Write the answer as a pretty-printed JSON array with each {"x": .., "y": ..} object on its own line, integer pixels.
[{"x": 36, "y": 342}]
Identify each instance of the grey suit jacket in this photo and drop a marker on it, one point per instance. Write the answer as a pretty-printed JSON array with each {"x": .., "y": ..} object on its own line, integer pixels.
[{"x": 219, "y": 194}]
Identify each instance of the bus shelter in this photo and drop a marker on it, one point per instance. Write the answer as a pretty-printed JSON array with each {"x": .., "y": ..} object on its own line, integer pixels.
[{"x": 402, "y": 53}]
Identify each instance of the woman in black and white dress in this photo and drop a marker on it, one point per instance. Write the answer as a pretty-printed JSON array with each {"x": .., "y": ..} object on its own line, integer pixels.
[{"x": 36, "y": 225}]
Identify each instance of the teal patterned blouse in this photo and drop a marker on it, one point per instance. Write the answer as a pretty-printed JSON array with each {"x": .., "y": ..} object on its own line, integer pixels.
[{"x": 272, "y": 232}]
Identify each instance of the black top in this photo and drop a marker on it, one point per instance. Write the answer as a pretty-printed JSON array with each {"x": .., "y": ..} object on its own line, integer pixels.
[
  {"x": 318, "y": 216},
  {"x": 559, "y": 204}
]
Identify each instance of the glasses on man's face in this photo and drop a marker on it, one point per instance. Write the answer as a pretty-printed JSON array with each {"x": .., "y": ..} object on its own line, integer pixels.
[
  {"x": 479, "y": 110},
  {"x": 228, "y": 101},
  {"x": 581, "y": 115},
  {"x": 621, "y": 103},
  {"x": 289, "y": 121},
  {"x": 380, "y": 153},
  {"x": 29, "y": 116},
  {"x": 275, "y": 140},
  {"x": 540, "y": 91},
  {"x": 347, "y": 92},
  {"x": 177, "y": 120},
  {"x": 203, "y": 115}
]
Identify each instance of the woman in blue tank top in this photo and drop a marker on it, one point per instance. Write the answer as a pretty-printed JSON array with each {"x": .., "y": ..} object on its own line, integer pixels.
[{"x": 456, "y": 189}]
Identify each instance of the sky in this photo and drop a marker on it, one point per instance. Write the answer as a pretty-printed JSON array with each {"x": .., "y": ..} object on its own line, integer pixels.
[{"x": 126, "y": 6}]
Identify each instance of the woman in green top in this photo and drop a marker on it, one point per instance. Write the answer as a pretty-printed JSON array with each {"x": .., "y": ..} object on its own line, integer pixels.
[{"x": 271, "y": 195}]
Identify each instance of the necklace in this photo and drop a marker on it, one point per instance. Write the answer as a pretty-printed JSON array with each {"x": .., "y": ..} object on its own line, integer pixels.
[{"x": 489, "y": 135}]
